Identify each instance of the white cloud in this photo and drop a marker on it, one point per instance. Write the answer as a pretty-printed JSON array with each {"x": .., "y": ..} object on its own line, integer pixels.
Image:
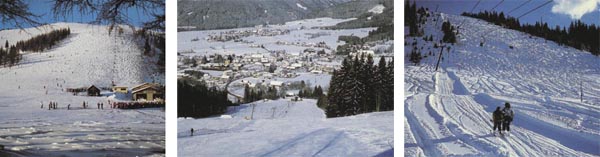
[{"x": 575, "y": 8}]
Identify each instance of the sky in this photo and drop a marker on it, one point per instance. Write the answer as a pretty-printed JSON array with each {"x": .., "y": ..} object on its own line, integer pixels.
[
  {"x": 557, "y": 12},
  {"x": 43, "y": 8}
]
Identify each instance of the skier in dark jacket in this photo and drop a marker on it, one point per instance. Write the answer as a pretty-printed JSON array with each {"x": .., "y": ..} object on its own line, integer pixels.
[
  {"x": 508, "y": 116},
  {"x": 498, "y": 119},
  {"x": 192, "y": 131}
]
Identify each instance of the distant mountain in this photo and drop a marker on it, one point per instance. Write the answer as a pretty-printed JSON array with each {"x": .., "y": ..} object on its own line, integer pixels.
[{"x": 223, "y": 14}]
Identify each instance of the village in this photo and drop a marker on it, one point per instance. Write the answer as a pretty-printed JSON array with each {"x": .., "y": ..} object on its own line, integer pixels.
[{"x": 278, "y": 69}]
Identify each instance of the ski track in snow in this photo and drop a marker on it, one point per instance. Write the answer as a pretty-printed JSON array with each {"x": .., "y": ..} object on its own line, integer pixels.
[
  {"x": 448, "y": 112},
  {"x": 294, "y": 129}
]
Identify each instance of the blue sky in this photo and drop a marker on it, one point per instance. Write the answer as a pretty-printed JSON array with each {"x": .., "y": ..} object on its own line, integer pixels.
[
  {"x": 558, "y": 12},
  {"x": 44, "y": 9}
]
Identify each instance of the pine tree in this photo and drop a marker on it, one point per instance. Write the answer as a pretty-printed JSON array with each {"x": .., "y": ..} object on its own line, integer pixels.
[
  {"x": 147, "y": 48},
  {"x": 378, "y": 79},
  {"x": 247, "y": 95},
  {"x": 389, "y": 86}
]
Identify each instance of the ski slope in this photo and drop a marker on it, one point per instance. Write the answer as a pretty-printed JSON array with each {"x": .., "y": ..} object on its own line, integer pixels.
[
  {"x": 286, "y": 128},
  {"x": 448, "y": 112},
  {"x": 89, "y": 56}
]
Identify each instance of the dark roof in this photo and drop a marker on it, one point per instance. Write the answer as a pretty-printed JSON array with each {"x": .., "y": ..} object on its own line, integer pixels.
[{"x": 93, "y": 87}]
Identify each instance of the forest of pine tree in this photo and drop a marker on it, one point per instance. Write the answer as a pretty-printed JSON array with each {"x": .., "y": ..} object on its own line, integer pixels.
[
  {"x": 10, "y": 55},
  {"x": 45, "y": 41},
  {"x": 260, "y": 93},
  {"x": 360, "y": 86},
  {"x": 579, "y": 35},
  {"x": 198, "y": 100},
  {"x": 413, "y": 18},
  {"x": 415, "y": 55},
  {"x": 449, "y": 34}
]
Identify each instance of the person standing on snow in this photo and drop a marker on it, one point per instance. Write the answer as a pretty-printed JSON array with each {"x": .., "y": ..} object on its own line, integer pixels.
[
  {"x": 192, "y": 131},
  {"x": 508, "y": 116},
  {"x": 497, "y": 119}
]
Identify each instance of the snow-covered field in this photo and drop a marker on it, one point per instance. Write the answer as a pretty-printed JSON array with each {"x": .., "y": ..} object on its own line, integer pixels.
[
  {"x": 286, "y": 128},
  {"x": 448, "y": 112},
  {"x": 297, "y": 34},
  {"x": 88, "y": 57}
]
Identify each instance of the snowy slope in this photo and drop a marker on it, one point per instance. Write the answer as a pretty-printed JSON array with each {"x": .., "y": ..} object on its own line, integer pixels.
[
  {"x": 88, "y": 57},
  {"x": 448, "y": 112},
  {"x": 286, "y": 128}
]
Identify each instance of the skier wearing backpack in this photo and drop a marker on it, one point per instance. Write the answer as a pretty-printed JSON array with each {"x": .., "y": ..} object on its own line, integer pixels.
[
  {"x": 508, "y": 116},
  {"x": 497, "y": 119}
]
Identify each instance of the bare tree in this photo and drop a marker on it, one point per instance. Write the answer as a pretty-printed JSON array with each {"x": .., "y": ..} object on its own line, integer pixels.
[
  {"x": 17, "y": 12},
  {"x": 113, "y": 12}
]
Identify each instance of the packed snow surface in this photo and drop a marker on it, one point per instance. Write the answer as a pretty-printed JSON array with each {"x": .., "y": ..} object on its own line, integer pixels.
[
  {"x": 286, "y": 128},
  {"x": 378, "y": 9},
  {"x": 89, "y": 56},
  {"x": 448, "y": 112},
  {"x": 300, "y": 6}
]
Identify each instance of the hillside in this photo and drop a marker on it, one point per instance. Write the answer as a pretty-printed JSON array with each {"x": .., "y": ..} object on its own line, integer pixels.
[
  {"x": 448, "y": 112},
  {"x": 89, "y": 56},
  {"x": 210, "y": 14}
]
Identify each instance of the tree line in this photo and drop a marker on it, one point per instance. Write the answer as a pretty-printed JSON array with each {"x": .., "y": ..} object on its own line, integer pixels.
[
  {"x": 414, "y": 18},
  {"x": 196, "y": 99},
  {"x": 10, "y": 54},
  {"x": 578, "y": 35},
  {"x": 359, "y": 86},
  {"x": 261, "y": 91},
  {"x": 44, "y": 41}
]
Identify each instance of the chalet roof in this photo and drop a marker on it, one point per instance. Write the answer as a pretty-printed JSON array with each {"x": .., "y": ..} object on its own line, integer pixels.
[
  {"x": 145, "y": 86},
  {"x": 93, "y": 87}
]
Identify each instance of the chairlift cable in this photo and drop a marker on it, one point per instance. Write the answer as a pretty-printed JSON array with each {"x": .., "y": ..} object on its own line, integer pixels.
[{"x": 518, "y": 7}]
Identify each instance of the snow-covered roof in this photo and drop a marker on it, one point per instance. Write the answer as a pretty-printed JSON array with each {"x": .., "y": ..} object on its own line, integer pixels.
[{"x": 276, "y": 83}]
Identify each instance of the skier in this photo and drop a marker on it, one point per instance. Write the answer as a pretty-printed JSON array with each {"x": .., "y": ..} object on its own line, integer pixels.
[
  {"x": 508, "y": 116},
  {"x": 102, "y": 106},
  {"x": 192, "y": 131},
  {"x": 42, "y": 105},
  {"x": 98, "y": 105},
  {"x": 69, "y": 107},
  {"x": 497, "y": 120}
]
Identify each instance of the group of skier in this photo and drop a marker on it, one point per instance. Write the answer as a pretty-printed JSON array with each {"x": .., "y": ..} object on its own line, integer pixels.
[
  {"x": 54, "y": 105},
  {"x": 51, "y": 105},
  {"x": 502, "y": 118}
]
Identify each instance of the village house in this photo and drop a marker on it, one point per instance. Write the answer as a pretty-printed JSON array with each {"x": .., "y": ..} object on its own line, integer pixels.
[
  {"x": 148, "y": 92},
  {"x": 93, "y": 91},
  {"x": 362, "y": 52},
  {"x": 120, "y": 89}
]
